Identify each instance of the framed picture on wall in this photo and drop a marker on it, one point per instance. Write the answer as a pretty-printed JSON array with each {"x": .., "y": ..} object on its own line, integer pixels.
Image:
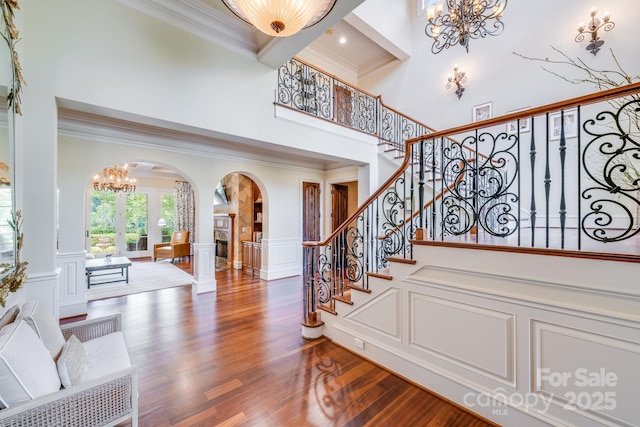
[
  {"x": 482, "y": 112},
  {"x": 525, "y": 124},
  {"x": 570, "y": 125}
]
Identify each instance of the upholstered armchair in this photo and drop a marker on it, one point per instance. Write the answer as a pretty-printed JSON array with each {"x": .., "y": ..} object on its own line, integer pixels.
[{"x": 179, "y": 246}]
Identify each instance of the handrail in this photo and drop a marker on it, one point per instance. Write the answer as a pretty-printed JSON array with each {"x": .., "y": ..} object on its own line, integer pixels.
[
  {"x": 473, "y": 194},
  {"x": 605, "y": 95}
]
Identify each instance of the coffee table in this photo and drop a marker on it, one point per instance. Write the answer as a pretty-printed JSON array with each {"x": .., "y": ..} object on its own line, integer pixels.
[{"x": 100, "y": 265}]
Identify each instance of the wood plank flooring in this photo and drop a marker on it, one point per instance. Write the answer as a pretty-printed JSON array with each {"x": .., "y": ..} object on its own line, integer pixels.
[{"x": 236, "y": 358}]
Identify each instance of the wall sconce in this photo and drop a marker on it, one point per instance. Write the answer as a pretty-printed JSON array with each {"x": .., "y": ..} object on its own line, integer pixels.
[
  {"x": 592, "y": 29},
  {"x": 458, "y": 79}
]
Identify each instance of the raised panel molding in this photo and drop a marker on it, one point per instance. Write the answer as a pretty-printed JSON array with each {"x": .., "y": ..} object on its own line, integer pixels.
[
  {"x": 569, "y": 298},
  {"x": 72, "y": 286},
  {"x": 380, "y": 314},
  {"x": 474, "y": 337},
  {"x": 280, "y": 258},
  {"x": 603, "y": 384}
]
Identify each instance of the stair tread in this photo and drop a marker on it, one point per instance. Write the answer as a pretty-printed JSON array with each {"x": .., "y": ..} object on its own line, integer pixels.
[
  {"x": 359, "y": 288},
  {"x": 380, "y": 275},
  {"x": 343, "y": 299},
  {"x": 328, "y": 309},
  {"x": 401, "y": 260}
]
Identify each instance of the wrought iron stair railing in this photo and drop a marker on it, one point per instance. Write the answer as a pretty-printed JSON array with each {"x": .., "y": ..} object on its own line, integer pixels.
[
  {"x": 559, "y": 179},
  {"x": 308, "y": 89}
]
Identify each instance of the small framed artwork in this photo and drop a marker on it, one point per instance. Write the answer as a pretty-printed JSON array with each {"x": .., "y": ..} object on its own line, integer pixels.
[
  {"x": 525, "y": 124},
  {"x": 482, "y": 112},
  {"x": 570, "y": 125}
]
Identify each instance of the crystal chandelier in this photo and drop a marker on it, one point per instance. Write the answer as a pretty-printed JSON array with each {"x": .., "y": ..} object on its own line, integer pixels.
[
  {"x": 115, "y": 179},
  {"x": 466, "y": 20},
  {"x": 280, "y": 18}
]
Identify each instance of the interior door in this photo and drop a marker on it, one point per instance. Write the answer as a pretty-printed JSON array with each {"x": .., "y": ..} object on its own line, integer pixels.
[
  {"x": 310, "y": 211},
  {"x": 339, "y": 205},
  {"x": 343, "y": 105}
]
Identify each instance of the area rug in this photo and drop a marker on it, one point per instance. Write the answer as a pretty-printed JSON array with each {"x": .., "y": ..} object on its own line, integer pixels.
[{"x": 143, "y": 277}]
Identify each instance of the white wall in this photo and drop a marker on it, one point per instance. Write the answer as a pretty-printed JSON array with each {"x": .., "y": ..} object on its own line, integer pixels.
[
  {"x": 106, "y": 58},
  {"x": 494, "y": 73}
]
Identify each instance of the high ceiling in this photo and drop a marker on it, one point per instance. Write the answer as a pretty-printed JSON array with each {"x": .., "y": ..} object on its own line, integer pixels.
[{"x": 211, "y": 20}]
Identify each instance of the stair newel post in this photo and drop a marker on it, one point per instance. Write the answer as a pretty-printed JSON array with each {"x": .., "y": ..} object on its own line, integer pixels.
[
  {"x": 420, "y": 230},
  {"x": 311, "y": 322}
]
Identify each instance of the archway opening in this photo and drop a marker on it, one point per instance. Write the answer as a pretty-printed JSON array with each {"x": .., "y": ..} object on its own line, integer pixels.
[{"x": 238, "y": 223}]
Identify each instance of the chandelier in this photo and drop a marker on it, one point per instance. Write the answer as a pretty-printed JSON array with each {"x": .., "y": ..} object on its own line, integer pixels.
[
  {"x": 280, "y": 18},
  {"x": 466, "y": 20},
  {"x": 115, "y": 179}
]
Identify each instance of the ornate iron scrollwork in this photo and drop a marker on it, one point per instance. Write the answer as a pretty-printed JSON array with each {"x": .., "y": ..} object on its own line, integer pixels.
[
  {"x": 611, "y": 159},
  {"x": 480, "y": 193}
]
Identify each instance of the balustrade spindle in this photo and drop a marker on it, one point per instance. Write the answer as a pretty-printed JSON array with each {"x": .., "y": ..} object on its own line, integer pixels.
[{"x": 563, "y": 206}]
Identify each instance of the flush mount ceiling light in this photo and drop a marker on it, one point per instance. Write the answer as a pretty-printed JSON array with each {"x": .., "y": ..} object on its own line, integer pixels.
[{"x": 280, "y": 18}]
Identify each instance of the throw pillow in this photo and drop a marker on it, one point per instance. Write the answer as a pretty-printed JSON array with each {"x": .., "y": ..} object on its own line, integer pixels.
[
  {"x": 48, "y": 329},
  {"x": 71, "y": 362},
  {"x": 26, "y": 368},
  {"x": 9, "y": 316}
]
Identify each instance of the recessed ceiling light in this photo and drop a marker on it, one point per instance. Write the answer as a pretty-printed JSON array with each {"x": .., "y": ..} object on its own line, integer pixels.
[{"x": 343, "y": 40}]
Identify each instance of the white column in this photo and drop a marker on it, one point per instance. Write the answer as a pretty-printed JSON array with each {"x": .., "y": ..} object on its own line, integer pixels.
[{"x": 204, "y": 268}]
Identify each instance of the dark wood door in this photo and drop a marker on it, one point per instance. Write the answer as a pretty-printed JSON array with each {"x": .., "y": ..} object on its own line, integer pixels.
[
  {"x": 310, "y": 211},
  {"x": 342, "y": 105},
  {"x": 339, "y": 205}
]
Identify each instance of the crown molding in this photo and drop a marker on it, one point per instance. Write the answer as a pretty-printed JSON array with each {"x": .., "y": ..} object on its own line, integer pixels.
[
  {"x": 326, "y": 60},
  {"x": 201, "y": 20},
  {"x": 77, "y": 125}
]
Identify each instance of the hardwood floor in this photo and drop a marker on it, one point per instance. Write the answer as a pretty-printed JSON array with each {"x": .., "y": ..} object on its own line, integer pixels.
[{"x": 236, "y": 358}]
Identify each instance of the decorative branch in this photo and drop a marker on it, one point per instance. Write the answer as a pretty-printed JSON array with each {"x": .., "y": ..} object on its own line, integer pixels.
[
  {"x": 627, "y": 162},
  {"x": 602, "y": 79},
  {"x": 11, "y": 36}
]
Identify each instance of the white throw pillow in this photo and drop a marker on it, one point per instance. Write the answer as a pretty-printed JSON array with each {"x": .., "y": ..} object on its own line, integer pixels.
[
  {"x": 105, "y": 355},
  {"x": 26, "y": 368},
  {"x": 41, "y": 320},
  {"x": 71, "y": 362}
]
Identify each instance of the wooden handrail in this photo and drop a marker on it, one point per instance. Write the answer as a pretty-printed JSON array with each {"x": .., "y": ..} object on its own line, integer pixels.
[
  {"x": 574, "y": 102},
  {"x": 592, "y": 98}
]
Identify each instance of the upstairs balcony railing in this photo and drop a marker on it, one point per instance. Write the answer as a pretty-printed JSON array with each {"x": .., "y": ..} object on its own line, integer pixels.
[
  {"x": 562, "y": 179},
  {"x": 308, "y": 89}
]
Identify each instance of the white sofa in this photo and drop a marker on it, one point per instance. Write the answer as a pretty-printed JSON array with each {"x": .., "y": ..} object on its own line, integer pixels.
[{"x": 78, "y": 374}]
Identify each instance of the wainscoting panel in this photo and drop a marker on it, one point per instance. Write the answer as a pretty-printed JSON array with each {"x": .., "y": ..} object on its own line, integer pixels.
[
  {"x": 380, "y": 314},
  {"x": 281, "y": 258},
  {"x": 72, "y": 286},
  {"x": 603, "y": 383},
  {"x": 477, "y": 327},
  {"x": 473, "y": 336}
]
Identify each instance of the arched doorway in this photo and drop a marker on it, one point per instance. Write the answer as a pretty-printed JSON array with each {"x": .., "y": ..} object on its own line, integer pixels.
[
  {"x": 238, "y": 205},
  {"x": 129, "y": 223}
]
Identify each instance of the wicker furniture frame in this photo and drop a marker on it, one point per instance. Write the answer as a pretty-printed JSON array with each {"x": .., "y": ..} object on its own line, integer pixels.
[{"x": 105, "y": 401}]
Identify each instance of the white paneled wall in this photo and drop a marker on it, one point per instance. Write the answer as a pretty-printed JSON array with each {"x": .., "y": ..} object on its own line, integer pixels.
[{"x": 561, "y": 349}]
